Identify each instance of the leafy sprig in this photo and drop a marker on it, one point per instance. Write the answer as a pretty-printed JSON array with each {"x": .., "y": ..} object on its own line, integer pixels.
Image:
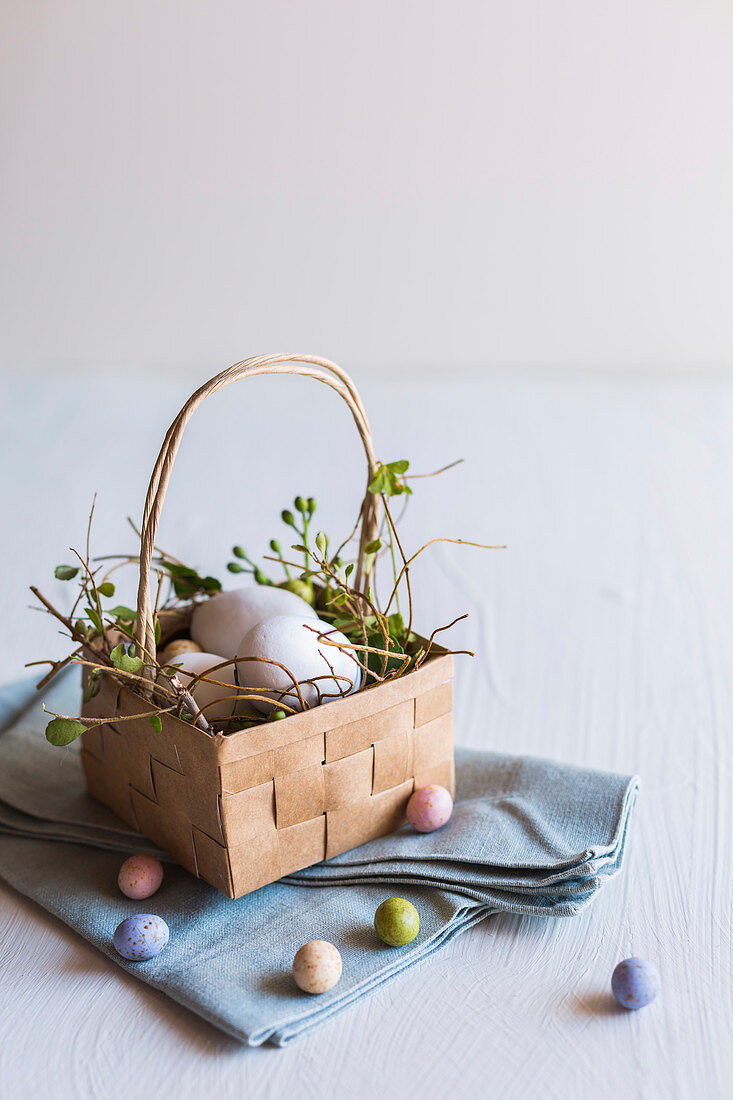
[
  {"x": 379, "y": 638},
  {"x": 301, "y": 585},
  {"x": 389, "y": 479}
]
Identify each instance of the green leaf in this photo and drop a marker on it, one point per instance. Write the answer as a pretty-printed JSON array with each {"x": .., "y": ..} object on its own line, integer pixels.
[
  {"x": 62, "y": 731},
  {"x": 124, "y": 614},
  {"x": 184, "y": 571},
  {"x": 156, "y": 723},
  {"x": 211, "y": 584},
  {"x": 185, "y": 586},
  {"x": 376, "y": 661},
  {"x": 65, "y": 572},
  {"x": 379, "y": 482},
  {"x": 123, "y": 661},
  {"x": 396, "y": 625},
  {"x": 106, "y": 589},
  {"x": 321, "y": 541},
  {"x": 387, "y": 478},
  {"x": 93, "y": 687},
  {"x": 344, "y": 624},
  {"x": 158, "y": 631},
  {"x": 93, "y": 617},
  {"x": 373, "y": 546},
  {"x": 349, "y": 570},
  {"x": 299, "y": 546}
]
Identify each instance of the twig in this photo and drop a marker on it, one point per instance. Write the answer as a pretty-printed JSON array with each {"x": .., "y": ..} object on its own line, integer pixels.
[
  {"x": 411, "y": 477},
  {"x": 57, "y": 666},
  {"x": 75, "y": 634},
  {"x": 188, "y": 702},
  {"x": 459, "y": 542},
  {"x": 103, "y": 721}
]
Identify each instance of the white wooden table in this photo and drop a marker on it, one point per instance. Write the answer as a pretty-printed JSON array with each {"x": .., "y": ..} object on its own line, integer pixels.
[{"x": 604, "y": 636}]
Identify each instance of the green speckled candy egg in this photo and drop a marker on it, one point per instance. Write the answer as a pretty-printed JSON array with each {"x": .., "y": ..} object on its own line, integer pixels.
[{"x": 397, "y": 922}]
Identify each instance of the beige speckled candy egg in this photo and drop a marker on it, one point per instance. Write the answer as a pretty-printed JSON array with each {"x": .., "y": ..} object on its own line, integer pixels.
[
  {"x": 176, "y": 648},
  {"x": 191, "y": 665},
  {"x": 219, "y": 624},
  {"x": 317, "y": 967},
  {"x": 294, "y": 642},
  {"x": 140, "y": 876}
]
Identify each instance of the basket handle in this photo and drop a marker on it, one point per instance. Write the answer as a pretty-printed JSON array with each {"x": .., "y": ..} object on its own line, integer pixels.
[{"x": 309, "y": 366}]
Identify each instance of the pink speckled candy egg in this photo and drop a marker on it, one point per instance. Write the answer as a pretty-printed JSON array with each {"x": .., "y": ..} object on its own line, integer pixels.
[
  {"x": 317, "y": 967},
  {"x": 429, "y": 808},
  {"x": 140, "y": 876}
]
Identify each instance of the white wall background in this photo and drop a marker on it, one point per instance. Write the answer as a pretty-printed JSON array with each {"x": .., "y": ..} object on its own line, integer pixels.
[{"x": 400, "y": 183}]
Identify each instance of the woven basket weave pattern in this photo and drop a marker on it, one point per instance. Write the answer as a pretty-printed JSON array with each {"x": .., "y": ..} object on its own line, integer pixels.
[{"x": 241, "y": 810}]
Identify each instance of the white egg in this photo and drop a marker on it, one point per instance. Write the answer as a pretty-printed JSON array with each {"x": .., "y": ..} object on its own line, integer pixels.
[
  {"x": 219, "y": 624},
  {"x": 294, "y": 642},
  {"x": 191, "y": 665}
]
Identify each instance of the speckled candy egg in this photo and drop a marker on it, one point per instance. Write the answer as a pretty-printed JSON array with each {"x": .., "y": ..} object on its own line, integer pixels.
[
  {"x": 140, "y": 876},
  {"x": 635, "y": 983},
  {"x": 429, "y": 808},
  {"x": 317, "y": 967},
  {"x": 294, "y": 642},
  {"x": 219, "y": 624},
  {"x": 206, "y": 694},
  {"x": 176, "y": 648},
  {"x": 397, "y": 922},
  {"x": 141, "y": 937}
]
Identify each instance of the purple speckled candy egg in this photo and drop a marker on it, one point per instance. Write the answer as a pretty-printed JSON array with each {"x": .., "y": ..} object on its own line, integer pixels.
[
  {"x": 140, "y": 876},
  {"x": 429, "y": 808},
  {"x": 141, "y": 937},
  {"x": 635, "y": 983}
]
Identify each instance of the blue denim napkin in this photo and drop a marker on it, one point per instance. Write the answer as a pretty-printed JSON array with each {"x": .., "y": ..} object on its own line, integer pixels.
[{"x": 526, "y": 836}]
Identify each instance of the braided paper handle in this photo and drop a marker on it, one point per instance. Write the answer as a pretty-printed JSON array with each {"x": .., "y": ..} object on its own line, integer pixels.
[{"x": 309, "y": 366}]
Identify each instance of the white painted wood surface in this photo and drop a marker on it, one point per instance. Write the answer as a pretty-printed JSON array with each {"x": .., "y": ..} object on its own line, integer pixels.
[{"x": 603, "y": 635}]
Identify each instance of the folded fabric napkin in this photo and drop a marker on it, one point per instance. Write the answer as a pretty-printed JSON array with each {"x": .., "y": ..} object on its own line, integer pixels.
[{"x": 526, "y": 836}]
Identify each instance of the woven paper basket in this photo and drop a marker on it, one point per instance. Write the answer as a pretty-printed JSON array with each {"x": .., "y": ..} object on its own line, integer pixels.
[{"x": 243, "y": 809}]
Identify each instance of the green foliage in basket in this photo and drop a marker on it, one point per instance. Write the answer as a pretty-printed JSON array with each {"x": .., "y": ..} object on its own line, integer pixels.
[{"x": 379, "y": 633}]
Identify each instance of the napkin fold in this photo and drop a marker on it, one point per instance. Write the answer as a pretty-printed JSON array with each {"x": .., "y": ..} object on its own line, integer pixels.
[{"x": 527, "y": 836}]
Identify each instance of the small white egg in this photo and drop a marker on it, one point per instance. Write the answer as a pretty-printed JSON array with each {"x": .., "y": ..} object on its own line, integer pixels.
[
  {"x": 219, "y": 624},
  {"x": 190, "y": 665},
  {"x": 294, "y": 642}
]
